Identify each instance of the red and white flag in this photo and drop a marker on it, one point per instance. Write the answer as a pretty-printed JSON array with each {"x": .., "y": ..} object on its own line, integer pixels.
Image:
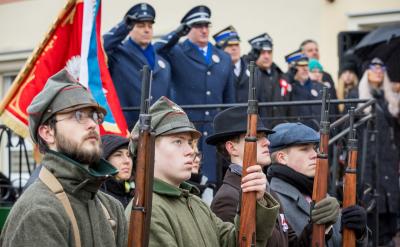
[{"x": 75, "y": 33}]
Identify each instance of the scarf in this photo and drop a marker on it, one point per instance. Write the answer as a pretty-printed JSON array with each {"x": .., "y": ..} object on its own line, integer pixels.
[{"x": 301, "y": 182}]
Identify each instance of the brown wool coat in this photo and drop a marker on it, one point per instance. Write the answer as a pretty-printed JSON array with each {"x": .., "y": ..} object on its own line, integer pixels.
[{"x": 226, "y": 202}]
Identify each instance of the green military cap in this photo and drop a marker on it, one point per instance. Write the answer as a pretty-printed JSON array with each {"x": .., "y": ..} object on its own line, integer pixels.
[
  {"x": 61, "y": 94},
  {"x": 166, "y": 118}
]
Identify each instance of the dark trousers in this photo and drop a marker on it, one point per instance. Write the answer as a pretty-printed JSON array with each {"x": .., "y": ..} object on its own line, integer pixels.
[{"x": 387, "y": 227}]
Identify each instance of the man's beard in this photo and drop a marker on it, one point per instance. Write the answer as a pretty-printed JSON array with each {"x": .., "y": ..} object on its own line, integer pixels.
[{"x": 76, "y": 151}]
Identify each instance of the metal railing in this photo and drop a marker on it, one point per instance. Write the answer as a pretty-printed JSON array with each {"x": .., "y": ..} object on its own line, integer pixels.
[
  {"x": 8, "y": 191},
  {"x": 336, "y": 141}
]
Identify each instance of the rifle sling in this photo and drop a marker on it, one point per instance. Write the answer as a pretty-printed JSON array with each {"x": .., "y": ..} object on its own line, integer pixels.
[{"x": 54, "y": 185}]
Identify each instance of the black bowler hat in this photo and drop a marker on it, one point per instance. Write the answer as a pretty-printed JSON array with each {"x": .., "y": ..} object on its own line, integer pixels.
[
  {"x": 262, "y": 42},
  {"x": 225, "y": 37},
  {"x": 198, "y": 14},
  {"x": 141, "y": 12},
  {"x": 232, "y": 122}
]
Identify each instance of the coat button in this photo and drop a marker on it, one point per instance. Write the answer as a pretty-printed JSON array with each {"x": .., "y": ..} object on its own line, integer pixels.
[
  {"x": 207, "y": 113},
  {"x": 113, "y": 224},
  {"x": 208, "y": 72},
  {"x": 205, "y": 133},
  {"x": 386, "y": 177},
  {"x": 388, "y": 194},
  {"x": 208, "y": 93}
]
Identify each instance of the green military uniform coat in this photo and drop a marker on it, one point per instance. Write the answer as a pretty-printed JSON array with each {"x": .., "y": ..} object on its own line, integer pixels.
[
  {"x": 182, "y": 219},
  {"x": 39, "y": 219}
]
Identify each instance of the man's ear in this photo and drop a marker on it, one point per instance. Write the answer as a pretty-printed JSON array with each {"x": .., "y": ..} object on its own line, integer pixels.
[
  {"x": 47, "y": 134},
  {"x": 231, "y": 148},
  {"x": 282, "y": 158}
]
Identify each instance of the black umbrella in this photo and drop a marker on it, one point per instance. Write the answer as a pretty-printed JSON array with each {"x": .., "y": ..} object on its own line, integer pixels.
[
  {"x": 383, "y": 42},
  {"x": 382, "y": 34}
]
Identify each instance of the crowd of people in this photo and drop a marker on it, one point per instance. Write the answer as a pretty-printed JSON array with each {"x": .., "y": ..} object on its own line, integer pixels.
[{"x": 86, "y": 182}]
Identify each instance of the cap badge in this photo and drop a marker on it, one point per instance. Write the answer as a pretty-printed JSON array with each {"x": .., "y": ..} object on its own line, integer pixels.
[{"x": 177, "y": 109}]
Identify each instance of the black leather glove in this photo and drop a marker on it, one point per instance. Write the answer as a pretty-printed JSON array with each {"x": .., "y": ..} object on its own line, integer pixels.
[
  {"x": 182, "y": 30},
  {"x": 129, "y": 22},
  {"x": 355, "y": 218},
  {"x": 291, "y": 74}
]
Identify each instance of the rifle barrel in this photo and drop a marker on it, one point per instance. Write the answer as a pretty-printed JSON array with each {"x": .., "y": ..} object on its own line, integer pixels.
[
  {"x": 350, "y": 180},
  {"x": 320, "y": 187},
  {"x": 247, "y": 229},
  {"x": 139, "y": 223}
]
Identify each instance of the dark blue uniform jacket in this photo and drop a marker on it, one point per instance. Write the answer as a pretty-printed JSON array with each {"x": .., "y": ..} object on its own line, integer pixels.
[{"x": 125, "y": 61}]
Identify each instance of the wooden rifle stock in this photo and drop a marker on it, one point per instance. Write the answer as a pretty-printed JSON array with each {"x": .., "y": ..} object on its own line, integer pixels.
[
  {"x": 350, "y": 180},
  {"x": 139, "y": 224},
  {"x": 320, "y": 187},
  {"x": 247, "y": 230}
]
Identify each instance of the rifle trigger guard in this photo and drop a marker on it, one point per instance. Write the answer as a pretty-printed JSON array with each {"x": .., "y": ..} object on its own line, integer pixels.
[
  {"x": 139, "y": 209},
  {"x": 250, "y": 139}
]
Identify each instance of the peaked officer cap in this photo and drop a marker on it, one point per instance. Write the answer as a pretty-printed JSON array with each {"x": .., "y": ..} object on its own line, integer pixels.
[
  {"x": 62, "y": 93},
  {"x": 261, "y": 42},
  {"x": 141, "y": 12},
  {"x": 230, "y": 123},
  {"x": 288, "y": 134},
  {"x": 296, "y": 58},
  {"x": 198, "y": 14},
  {"x": 225, "y": 37}
]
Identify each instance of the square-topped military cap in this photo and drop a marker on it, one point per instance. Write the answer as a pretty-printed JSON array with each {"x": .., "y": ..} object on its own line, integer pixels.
[
  {"x": 61, "y": 94},
  {"x": 166, "y": 118}
]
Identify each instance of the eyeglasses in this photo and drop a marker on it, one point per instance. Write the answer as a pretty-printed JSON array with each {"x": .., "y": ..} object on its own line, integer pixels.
[
  {"x": 83, "y": 117},
  {"x": 377, "y": 67},
  {"x": 197, "y": 155}
]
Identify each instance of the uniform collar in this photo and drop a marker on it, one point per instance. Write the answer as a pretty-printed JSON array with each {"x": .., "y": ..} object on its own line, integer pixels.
[
  {"x": 76, "y": 178},
  {"x": 163, "y": 188},
  {"x": 132, "y": 42},
  {"x": 236, "y": 169}
]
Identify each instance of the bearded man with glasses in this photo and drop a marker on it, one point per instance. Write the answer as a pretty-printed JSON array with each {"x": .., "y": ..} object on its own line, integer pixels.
[{"x": 64, "y": 207}]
